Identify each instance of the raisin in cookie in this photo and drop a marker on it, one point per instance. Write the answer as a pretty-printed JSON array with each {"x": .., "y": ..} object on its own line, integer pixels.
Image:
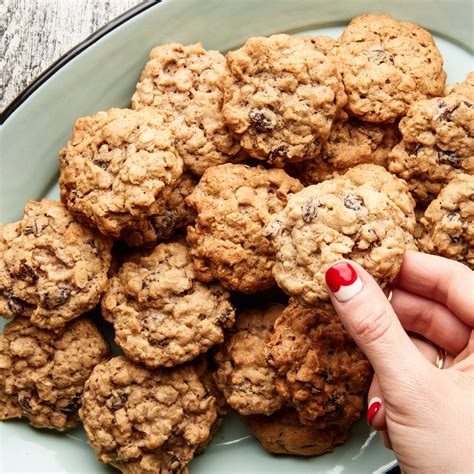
[
  {"x": 161, "y": 314},
  {"x": 142, "y": 420},
  {"x": 234, "y": 203},
  {"x": 52, "y": 268},
  {"x": 350, "y": 143},
  {"x": 448, "y": 222},
  {"x": 365, "y": 215},
  {"x": 386, "y": 65},
  {"x": 171, "y": 215},
  {"x": 281, "y": 97},
  {"x": 321, "y": 371},
  {"x": 243, "y": 374},
  {"x": 185, "y": 81},
  {"x": 42, "y": 373},
  {"x": 438, "y": 142},
  {"x": 116, "y": 166},
  {"x": 283, "y": 433}
]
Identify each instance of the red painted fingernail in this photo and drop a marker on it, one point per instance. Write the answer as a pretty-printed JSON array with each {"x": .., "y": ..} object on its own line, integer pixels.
[
  {"x": 343, "y": 281},
  {"x": 374, "y": 407}
]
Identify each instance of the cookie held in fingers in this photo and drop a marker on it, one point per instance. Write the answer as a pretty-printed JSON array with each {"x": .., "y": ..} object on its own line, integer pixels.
[
  {"x": 185, "y": 81},
  {"x": 116, "y": 167},
  {"x": 42, "y": 373},
  {"x": 243, "y": 374},
  {"x": 52, "y": 268},
  {"x": 228, "y": 241},
  {"x": 386, "y": 65},
  {"x": 162, "y": 315},
  {"x": 365, "y": 215},
  {"x": 142, "y": 420},
  {"x": 281, "y": 98},
  {"x": 321, "y": 371}
]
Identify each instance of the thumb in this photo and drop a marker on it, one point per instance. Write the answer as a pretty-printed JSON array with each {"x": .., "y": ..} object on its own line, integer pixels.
[{"x": 370, "y": 320}]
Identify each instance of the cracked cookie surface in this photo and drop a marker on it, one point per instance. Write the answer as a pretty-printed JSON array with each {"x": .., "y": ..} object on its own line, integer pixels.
[
  {"x": 161, "y": 314},
  {"x": 243, "y": 374},
  {"x": 42, "y": 373},
  {"x": 52, "y": 268},
  {"x": 142, "y": 420},
  {"x": 281, "y": 97},
  {"x": 448, "y": 222},
  {"x": 350, "y": 143},
  {"x": 386, "y": 65},
  {"x": 171, "y": 215},
  {"x": 365, "y": 215},
  {"x": 185, "y": 82},
  {"x": 321, "y": 371},
  {"x": 283, "y": 433},
  {"x": 438, "y": 142},
  {"x": 116, "y": 166},
  {"x": 234, "y": 203}
]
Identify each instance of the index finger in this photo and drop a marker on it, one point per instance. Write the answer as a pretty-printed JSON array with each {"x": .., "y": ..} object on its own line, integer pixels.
[{"x": 446, "y": 281}]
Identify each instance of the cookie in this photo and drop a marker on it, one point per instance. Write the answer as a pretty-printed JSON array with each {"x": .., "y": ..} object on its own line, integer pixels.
[
  {"x": 281, "y": 98},
  {"x": 438, "y": 142},
  {"x": 52, "y": 268},
  {"x": 243, "y": 374},
  {"x": 448, "y": 222},
  {"x": 116, "y": 166},
  {"x": 234, "y": 203},
  {"x": 365, "y": 215},
  {"x": 321, "y": 371},
  {"x": 386, "y": 65},
  {"x": 350, "y": 143},
  {"x": 283, "y": 433},
  {"x": 171, "y": 215},
  {"x": 185, "y": 81},
  {"x": 142, "y": 420},
  {"x": 463, "y": 88},
  {"x": 42, "y": 373},
  {"x": 161, "y": 314}
]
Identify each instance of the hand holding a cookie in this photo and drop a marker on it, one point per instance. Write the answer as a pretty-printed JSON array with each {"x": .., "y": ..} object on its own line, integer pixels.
[{"x": 418, "y": 407}]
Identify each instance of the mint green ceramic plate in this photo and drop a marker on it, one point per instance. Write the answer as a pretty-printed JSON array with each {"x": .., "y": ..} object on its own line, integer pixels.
[{"x": 102, "y": 73}]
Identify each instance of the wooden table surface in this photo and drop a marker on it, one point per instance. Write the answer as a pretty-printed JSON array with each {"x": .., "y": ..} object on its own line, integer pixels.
[{"x": 35, "y": 33}]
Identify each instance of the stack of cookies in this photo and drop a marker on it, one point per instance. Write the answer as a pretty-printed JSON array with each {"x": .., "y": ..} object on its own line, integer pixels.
[{"x": 183, "y": 218}]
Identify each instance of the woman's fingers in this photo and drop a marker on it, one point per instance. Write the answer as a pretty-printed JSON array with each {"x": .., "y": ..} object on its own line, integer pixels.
[
  {"x": 430, "y": 319},
  {"x": 446, "y": 281},
  {"x": 376, "y": 407},
  {"x": 370, "y": 320}
]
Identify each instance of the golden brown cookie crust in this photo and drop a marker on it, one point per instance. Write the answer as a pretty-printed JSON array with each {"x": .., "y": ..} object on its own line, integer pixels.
[
  {"x": 142, "y": 420},
  {"x": 234, "y": 203},
  {"x": 366, "y": 216},
  {"x": 161, "y": 314},
  {"x": 321, "y": 371},
  {"x": 438, "y": 142},
  {"x": 350, "y": 143},
  {"x": 116, "y": 166},
  {"x": 243, "y": 374},
  {"x": 448, "y": 222},
  {"x": 42, "y": 373},
  {"x": 386, "y": 65},
  {"x": 283, "y": 433},
  {"x": 185, "y": 81},
  {"x": 281, "y": 97},
  {"x": 52, "y": 268}
]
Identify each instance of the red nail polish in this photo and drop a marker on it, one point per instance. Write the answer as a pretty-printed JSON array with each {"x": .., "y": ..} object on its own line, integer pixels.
[
  {"x": 343, "y": 281},
  {"x": 374, "y": 407}
]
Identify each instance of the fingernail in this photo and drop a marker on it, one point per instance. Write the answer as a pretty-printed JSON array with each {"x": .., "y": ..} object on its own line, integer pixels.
[
  {"x": 374, "y": 407},
  {"x": 343, "y": 281}
]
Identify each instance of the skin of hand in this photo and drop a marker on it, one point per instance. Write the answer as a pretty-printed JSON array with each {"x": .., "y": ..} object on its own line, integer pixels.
[{"x": 426, "y": 414}]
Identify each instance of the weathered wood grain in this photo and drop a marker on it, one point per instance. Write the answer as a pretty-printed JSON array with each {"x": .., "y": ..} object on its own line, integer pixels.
[{"x": 34, "y": 33}]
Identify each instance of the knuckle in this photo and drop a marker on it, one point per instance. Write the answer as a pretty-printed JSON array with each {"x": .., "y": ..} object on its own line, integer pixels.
[{"x": 373, "y": 325}]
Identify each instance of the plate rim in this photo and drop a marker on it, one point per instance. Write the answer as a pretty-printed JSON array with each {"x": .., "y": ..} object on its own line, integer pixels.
[{"x": 72, "y": 53}]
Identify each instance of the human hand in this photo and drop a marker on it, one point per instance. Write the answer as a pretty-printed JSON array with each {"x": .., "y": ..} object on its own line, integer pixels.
[{"x": 428, "y": 414}]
